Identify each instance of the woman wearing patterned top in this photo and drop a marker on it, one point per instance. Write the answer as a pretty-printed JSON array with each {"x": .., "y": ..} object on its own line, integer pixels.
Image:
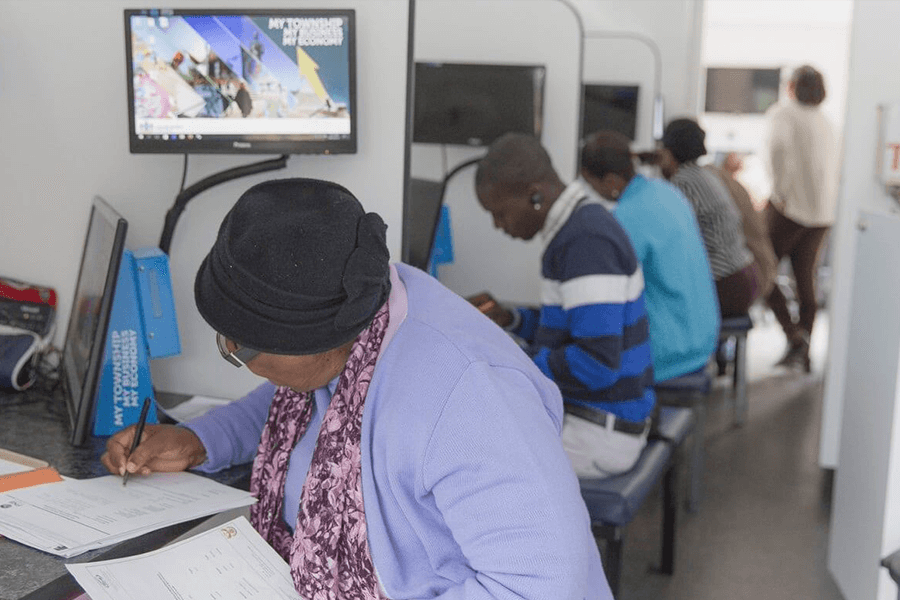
[{"x": 731, "y": 262}]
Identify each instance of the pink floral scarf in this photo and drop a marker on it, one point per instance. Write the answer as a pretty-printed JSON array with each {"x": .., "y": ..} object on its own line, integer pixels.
[{"x": 328, "y": 552}]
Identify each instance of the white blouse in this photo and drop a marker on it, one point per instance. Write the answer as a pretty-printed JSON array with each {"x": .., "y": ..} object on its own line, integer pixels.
[{"x": 803, "y": 162}]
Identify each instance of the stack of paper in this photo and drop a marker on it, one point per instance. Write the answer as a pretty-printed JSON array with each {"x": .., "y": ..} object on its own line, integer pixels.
[
  {"x": 19, "y": 471},
  {"x": 70, "y": 517},
  {"x": 229, "y": 562},
  {"x": 196, "y": 406},
  {"x": 9, "y": 466}
]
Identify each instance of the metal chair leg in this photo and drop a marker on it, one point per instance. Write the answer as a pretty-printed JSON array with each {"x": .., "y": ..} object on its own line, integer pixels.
[
  {"x": 669, "y": 516},
  {"x": 614, "y": 558},
  {"x": 694, "y": 492},
  {"x": 612, "y": 555},
  {"x": 740, "y": 380}
]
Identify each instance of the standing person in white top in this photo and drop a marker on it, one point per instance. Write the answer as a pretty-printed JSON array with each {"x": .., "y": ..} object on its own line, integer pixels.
[{"x": 802, "y": 154}]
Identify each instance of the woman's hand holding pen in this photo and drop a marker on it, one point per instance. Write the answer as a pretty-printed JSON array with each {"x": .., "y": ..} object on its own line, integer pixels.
[
  {"x": 161, "y": 448},
  {"x": 492, "y": 309}
]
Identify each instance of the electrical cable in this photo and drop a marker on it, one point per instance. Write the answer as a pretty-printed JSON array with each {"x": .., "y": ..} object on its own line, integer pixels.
[
  {"x": 446, "y": 181},
  {"x": 47, "y": 371},
  {"x": 185, "y": 196},
  {"x": 658, "y": 116},
  {"x": 184, "y": 171}
]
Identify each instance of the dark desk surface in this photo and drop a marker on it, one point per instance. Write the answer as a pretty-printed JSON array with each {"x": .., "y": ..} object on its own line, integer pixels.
[{"x": 36, "y": 425}]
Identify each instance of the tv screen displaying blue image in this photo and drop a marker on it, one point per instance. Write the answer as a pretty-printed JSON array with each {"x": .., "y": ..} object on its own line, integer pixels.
[{"x": 253, "y": 81}]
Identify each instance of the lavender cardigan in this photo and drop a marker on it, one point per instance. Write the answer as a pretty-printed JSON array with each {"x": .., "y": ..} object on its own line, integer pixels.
[{"x": 467, "y": 490}]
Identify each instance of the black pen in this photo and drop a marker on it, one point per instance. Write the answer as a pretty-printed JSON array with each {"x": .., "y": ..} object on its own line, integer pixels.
[{"x": 138, "y": 432}]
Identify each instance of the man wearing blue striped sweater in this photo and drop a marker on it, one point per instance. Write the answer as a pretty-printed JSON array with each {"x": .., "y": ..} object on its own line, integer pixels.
[{"x": 590, "y": 334}]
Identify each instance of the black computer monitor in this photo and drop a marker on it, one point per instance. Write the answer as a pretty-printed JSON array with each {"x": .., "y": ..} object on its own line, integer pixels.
[
  {"x": 610, "y": 108},
  {"x": 474, "y": 104},
  {"x": 207, "y": 81},
  {"x": 82, "y": 356},
  {"x": 420, "y": 225},
  {"x": 740, "y": 90}
]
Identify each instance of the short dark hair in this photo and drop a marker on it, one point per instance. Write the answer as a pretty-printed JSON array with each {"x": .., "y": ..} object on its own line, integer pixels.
[
  {"x": 809, "y": 85},
  {"x": 607, "y": 152},
  {"x": 515, "y": 161},
  {"x": 684, "y": 139}
]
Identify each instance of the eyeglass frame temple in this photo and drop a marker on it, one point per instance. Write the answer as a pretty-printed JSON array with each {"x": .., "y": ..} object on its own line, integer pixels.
[{"x": 239, "y": 357}]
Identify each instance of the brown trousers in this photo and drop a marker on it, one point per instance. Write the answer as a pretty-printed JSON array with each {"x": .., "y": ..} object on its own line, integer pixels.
[
  {"x": 738, "y": 291},
  {"x": 801, "y": 244}
]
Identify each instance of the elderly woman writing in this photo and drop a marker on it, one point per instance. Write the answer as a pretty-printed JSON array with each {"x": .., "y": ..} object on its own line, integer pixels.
[{"x": 404, "y": 447}]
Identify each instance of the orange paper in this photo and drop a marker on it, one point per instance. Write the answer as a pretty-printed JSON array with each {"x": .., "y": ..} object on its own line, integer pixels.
[{"x": 16, "y": 481}]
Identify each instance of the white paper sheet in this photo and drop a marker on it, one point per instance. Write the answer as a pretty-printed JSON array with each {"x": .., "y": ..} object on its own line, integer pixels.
[
  {"x": 70, "y": 517},
  {"x": 193, "y": 408},
  {"x": 8, "y": 467},
  {"x": 229, "y": 562}
]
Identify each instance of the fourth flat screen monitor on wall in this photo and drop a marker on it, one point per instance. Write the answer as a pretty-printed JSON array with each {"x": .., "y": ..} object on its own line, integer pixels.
[
  {"x": 474, "y": 104},
  {"x": 254, "y": 81},
  {"x": 741, "y": 90}
]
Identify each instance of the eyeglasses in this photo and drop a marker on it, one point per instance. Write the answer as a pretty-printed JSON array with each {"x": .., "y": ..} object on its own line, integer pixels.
[{"x": 239, "y": 357}]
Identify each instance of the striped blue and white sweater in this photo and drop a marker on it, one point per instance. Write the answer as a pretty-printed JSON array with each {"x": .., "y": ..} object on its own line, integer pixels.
[{"x": 590, "y": 335}]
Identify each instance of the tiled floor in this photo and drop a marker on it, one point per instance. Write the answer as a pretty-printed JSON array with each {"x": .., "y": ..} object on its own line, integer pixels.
[{"x": 762, "y": 528}]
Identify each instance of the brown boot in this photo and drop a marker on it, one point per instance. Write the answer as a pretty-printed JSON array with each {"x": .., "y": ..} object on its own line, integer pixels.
[{"x": 797, "y": 354}]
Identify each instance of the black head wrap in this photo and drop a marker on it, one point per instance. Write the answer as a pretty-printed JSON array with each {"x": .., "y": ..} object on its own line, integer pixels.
[
  {"x": 685, "y": 140},
  {"x": 298, "y": 267}
]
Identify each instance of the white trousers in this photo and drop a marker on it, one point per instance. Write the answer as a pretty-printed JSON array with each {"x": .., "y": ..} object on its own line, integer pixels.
[{"x": 600, "y": 451}]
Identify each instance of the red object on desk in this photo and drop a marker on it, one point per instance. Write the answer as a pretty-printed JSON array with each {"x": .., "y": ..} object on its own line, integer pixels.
[{"x": 26, "y": 292}]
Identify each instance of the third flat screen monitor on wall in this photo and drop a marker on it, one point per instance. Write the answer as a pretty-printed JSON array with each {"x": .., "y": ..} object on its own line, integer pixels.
[
  {"x": 474, "y": 104},
  {"x": 609, "y": 107}
]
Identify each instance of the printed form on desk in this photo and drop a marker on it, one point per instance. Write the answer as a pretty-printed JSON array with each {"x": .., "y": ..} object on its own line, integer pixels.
[
  {"x": 229, "y": 562},
  {"x": 70, "y": 517}
]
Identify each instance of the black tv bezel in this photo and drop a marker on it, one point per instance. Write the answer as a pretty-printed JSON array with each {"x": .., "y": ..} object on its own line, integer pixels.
[
  {"x": 462, "y": 140},
  {"x": 715, "y": 111},
  {"x": 225, "y": 144},
  {"x": 81, "y": 396},
  {"x": 632, "y": 135}
]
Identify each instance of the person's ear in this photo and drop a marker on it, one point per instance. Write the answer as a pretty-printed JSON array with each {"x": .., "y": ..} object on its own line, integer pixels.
[
  {"x": 592, "y": 179},
  {"x": 615, "y": 183},
  {"x": 535, "y": 196}
]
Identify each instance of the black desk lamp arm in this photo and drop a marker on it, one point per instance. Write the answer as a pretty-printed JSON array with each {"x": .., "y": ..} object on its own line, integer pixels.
[{"x": 182, "y": 199}]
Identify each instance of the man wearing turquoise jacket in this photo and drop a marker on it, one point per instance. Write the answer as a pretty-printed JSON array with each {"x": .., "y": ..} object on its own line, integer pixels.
[{"x": 682, "y": 308}]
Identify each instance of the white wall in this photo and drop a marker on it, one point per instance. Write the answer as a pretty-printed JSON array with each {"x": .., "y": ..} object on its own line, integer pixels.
[
  {"x": 508, "y": 32},
  {"x": 774, "y": 34},
  {"x": 64, "y": 124},
  {"x": 873, "y": 52},
  {"x": 546, "y": 32},
  {"x": 865, "y": 519},
  {"x": 673, "y": 26},
  {"x": 871, "y": 82}
]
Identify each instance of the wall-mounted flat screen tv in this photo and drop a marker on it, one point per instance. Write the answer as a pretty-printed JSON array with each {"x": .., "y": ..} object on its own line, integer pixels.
[
  {"x": 474, "y": 104},
  {"x": 740, "y": 90},
  {"x": 241, "y": 81},
  {"x": 610, "y": 108}
]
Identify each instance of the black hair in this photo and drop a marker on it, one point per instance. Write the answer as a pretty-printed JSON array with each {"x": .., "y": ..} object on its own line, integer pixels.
[
  {"x": 809, "y": 85},
  {"x": 607, "y": 152},
  {"x": 515, "y": 161},
  {"x": 685, "y": 140}
]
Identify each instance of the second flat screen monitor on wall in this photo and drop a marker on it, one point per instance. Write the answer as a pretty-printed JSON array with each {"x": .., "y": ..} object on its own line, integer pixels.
[
  {"x": 474, "y": 104},
  {"x": 254, "y": 81}
]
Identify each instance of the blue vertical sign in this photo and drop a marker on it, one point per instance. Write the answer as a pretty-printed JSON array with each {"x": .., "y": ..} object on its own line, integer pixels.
[{"x": 126, "y": 380}]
